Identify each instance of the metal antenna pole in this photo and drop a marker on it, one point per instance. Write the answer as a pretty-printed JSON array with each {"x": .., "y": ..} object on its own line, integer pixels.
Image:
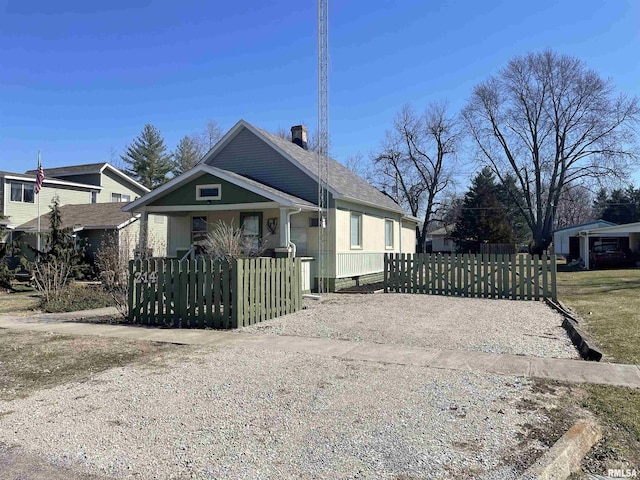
[{"x": 323, "y": 144}]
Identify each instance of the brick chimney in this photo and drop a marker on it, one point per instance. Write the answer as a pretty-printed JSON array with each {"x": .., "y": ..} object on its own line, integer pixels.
[{"x": 299, "y": 136}]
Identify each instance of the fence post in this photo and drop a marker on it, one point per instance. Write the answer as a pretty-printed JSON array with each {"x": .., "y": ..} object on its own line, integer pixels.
[
  {"x": 386, "y": 272},
  {"x": 237, "y": 304},
  {"x": 131, "y": 295},
  {"x": 554, "y": 292}
]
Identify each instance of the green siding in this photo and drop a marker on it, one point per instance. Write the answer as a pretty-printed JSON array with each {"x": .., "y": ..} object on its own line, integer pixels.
[{"x": 186, "y": 194}]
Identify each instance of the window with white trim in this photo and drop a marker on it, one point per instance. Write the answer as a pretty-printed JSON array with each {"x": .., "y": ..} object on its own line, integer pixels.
[
  {"x": 94, "y": 196},
  {"x": 208, "y": 192},
  {"x": 23, "y": 192},
  {"x": 120, "y": 197},
  {"x": 356, "y": 230},
  {"x": 388, "y": 233}
]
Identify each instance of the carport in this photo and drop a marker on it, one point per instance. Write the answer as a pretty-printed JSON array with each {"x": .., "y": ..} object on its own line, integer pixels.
[{"x": 628, "y": 231}]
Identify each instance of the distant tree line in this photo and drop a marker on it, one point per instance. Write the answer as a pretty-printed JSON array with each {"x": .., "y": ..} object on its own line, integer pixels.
[{"x": 546, "y": 126}]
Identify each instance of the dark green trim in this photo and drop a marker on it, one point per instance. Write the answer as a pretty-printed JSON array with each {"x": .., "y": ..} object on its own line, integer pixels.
[
  {"x": 185, "y": 195},
  {"x": 244, "y": 215}
]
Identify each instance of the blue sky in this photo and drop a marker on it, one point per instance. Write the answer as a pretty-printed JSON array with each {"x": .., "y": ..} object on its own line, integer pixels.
[{"x": 77, "y": 79}]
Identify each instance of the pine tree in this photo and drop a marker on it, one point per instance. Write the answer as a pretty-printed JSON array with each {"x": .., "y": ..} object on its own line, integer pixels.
[
  {"x": 484, "y": 219},
  {"x": 147, "y": 158},
  {"x": 186, "y": 156}
]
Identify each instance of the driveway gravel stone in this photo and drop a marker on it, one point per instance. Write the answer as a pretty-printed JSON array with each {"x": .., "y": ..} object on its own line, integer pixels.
[
  {"x": 234, "y": 413},
  {"x": 493, "y": 326}
]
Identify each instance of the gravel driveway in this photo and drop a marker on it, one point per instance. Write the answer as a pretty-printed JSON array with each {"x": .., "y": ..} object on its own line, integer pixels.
[
  {"x": 234, "y": 413},
  {"x": 494, "y": 326}
]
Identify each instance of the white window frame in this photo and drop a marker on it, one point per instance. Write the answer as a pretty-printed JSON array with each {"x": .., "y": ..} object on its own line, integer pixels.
[
  {"x": 199, "y": 189},
  {"x": 360, "y": 235},
  {"x": 386, "y": 245},
  {"x": 121, "y": 197},
  {"x": 94, "y": 196},
  {"x": 22, "y": 185}
]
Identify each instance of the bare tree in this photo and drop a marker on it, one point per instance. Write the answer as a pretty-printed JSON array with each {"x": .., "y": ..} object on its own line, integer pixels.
[
  {"x": 206, "y": 139},
  {"x": 551, "y": 122},
  {"x": 416, "y": 161},
  {"x": 574, "y": 206}
]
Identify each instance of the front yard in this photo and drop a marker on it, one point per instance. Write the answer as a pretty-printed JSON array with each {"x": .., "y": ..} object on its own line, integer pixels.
[{"x": 608, "y": 302}]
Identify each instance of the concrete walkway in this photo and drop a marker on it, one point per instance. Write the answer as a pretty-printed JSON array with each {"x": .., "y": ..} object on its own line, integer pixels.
[{"x": 523, "y": 366}]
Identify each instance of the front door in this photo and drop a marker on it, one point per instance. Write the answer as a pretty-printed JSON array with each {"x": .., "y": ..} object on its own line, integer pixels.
[{"x": 251, "y": 224}]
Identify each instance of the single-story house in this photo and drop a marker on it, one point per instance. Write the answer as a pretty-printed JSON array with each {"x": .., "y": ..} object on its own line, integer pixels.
[
  {"x": 566, "y": 241},
  {"x": 268, "y": 186},
  {"x": 441, "y": 240},
  {"x": 96, "y": 224}
]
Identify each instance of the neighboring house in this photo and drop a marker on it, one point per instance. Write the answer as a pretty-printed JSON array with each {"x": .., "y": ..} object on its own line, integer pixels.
[
  {"x": 98, "y": 224},
  {"x": 442, "y": 241},
  {"x": 269, "y": 186},
  {"x": 95, "y": 183},
  {"x": 623, "y": 238},
  {"x": 566, "y": 241}
]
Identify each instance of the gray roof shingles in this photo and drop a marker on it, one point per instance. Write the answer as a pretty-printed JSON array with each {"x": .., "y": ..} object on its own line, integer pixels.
[
  {"x": 71, "y": 170},
  {"x": 92, "y": 215},
  {"x": 341, "y": 179}
]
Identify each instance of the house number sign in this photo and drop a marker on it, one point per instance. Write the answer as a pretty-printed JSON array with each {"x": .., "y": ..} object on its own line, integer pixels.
[{"x": 146, "y": 277}]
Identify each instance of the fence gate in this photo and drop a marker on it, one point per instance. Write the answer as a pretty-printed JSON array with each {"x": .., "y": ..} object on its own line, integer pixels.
[
  {"x": 206, "y": 293},
  {"x": 514, "y": 277}
]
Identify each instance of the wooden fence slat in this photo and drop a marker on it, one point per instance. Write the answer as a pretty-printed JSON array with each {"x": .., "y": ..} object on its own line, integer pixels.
[
  {"x": 528, "y": 278},
  {"x": 536, "y": 277},
  {"x": 544, "y": 273},
  {"x": 226, "y": 295},
  {"x": 554, "y": 291}
]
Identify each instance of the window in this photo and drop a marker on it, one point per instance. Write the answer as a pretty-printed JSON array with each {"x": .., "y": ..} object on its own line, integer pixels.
[
  {"x": 198, "y": 229},
  {"x": 22, "y": 192},
  {"x": 251, "y": 224},
  {"x": 120, "y": 197},
  {"x": 388, "y": 233},
  {"x": 314, "y": 221},
  {"x": 208, "y": 192},
  {"x": 356, "y": 230},
  {"x": 94, "y": 197}
]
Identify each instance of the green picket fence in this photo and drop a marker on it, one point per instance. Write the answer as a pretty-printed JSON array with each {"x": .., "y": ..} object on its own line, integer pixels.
[
  {"x": 514, "y": 277},
  {"x": 205, "y": 293}
]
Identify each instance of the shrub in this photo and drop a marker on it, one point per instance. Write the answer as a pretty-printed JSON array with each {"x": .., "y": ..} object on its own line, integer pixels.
[
  {"x": 74, "y": 297},
  {"x": 228, "y": 242}
]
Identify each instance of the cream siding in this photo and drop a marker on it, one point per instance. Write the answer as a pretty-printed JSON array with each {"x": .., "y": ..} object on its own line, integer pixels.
[
  {"x": 19, "y": 212},
  {"x": 112, "y": 183}
]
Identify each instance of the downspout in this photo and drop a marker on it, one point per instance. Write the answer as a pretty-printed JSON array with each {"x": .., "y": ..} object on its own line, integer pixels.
[
  {"x": 288, "y": 238},
  {"x": 400, "y": 235}
]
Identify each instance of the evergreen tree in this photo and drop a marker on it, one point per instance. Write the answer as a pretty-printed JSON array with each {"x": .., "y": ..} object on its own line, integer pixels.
[
  {"x": 186, "y": 156},
  {"x": 512, "y": 197},
  {"x": 484, "y": 219},
  {"x": 620, "y": 206},
  {"x": 147, "y": 158},
  {"x": 600, "y": 203}
]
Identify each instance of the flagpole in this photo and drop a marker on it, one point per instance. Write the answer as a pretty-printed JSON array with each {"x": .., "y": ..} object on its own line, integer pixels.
[{"x": 38, "y": 234}]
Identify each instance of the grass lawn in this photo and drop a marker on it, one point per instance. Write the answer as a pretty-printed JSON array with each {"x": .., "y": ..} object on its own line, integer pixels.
[
  {"x": 608, "y": 303},
  {"x": 30, "y": 361},
  {"x": 18, "y": 302}
]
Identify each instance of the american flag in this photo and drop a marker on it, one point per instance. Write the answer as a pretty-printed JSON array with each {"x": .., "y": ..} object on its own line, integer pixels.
[{"x": 39, "y": 178}]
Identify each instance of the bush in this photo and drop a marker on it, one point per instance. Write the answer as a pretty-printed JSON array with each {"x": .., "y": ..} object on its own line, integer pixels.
[{"x": 74, "y": 297}]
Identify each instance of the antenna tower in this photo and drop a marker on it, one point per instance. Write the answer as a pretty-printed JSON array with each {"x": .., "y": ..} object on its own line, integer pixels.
[{"x": 323, "y": 144}]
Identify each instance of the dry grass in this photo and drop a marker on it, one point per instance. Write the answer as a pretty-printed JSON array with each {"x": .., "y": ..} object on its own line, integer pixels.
[
  {"x": 30, "y": 361},
  {"x": 19, "y": 302},
  {"x": 608, "y": 302}
]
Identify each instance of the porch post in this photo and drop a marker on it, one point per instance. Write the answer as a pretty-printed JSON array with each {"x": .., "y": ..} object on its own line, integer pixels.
[
  {"x": 585, "y": 250},
  {"x": 283, "y": 249},
  {"x": 144, "y": 230}
]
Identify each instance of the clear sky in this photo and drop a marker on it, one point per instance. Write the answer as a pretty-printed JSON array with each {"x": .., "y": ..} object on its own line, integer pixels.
[{"x": 78, "y": 78}]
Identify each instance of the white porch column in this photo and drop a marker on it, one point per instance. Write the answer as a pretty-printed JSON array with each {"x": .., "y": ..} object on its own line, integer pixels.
[
  {"x": 584, "y": 253},
  {"x": 283, "y": 249},
  {"x": 284, "y": 230}
]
